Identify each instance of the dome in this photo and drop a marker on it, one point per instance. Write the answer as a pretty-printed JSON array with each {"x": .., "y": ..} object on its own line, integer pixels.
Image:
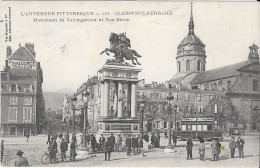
[{"x": 191, "y": 39}]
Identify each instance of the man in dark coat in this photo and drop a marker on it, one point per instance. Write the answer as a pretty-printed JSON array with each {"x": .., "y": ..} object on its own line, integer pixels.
[
  {"x": 218, "y": 149},
  {"x": 108, "y": 149},
  {"x": 102, "y": 143},
  {"x": 93, "y": 143},
  {"x": 20, "y": 161},
  {"x": 146, "y": 137},
  {"x": 165, "y": 134},
  {"x": 134, "y": 144},
  {"x": 2, "y": 150},
  {"x": 240, "y": 145},
  {"x": 174, "y": 138},
  {"x": 128, "y": 145},
  {"x": 74, "y": 138},
  {"x": 63, "y": 149},
  {"x": 27, "y": 136},
  {"x": 152, "y": 139},
  {"x": 232, "y": 146},
  {"x": 88, "y": 139},
  {"x": 113, "y": 141},
  {"x": 53, "y": 149},
  {"x": 73, "y": 151},
  {"x": 189, "y": 148},
  {"x": 49, "y": 138}
]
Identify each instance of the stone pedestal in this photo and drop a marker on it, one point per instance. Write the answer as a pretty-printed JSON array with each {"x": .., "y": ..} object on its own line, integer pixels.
[{"x": 118, "y": 100}]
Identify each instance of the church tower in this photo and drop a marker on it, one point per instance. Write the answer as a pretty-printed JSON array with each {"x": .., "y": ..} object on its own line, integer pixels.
[{"x": 191, "y": 56}]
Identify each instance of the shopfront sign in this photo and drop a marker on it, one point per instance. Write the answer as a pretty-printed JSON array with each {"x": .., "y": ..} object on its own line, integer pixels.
[
  {"x": 121, "y": 127},
  {"x": 16, "y": 64},
  {"x": 198, "y": 119}
]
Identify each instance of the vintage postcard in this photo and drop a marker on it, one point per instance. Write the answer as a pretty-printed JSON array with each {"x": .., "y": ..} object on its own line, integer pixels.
[{"x": 130, "y": 84}]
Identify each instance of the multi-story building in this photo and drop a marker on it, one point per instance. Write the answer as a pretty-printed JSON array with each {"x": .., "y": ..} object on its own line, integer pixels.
[{"x": 22, "y": 101}]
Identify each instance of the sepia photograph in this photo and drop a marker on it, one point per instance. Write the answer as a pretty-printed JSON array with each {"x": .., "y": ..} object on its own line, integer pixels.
[{"x": 130, "y": 84}]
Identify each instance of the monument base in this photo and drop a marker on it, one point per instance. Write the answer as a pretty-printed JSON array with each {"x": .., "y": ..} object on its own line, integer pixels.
[{"x": 118, "y": 126}]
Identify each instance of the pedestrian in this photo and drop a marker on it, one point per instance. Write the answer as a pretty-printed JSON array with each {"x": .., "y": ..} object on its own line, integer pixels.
[
  {"x": 74, "y": 138},
  {"x": 49, "y": 138},
  {"x": 119, "y": 143},
  {"x": 152, "y": 139},
  {"x": 165, "y": 134},
  {"x": 214, "y": 149},
  {"x": 113, "y": 141},
  {"x": 140, "y": 144},
  {"x": 108, "y": 149},
  {"x": 67, "y": 137},
  {"x": 240, "y": 145},
  {"x": 218, "y": 149},
  {"x": 128, "y": 145},
  {"x": 73, "y": 153},
  {"x": 32, "y": 132},
  {"x": 174, "y": 139},
  {"x": 20, "y": 161},
  {"x": 87, "y": 139},
  {"x": 102, "y": 141},
  {"x": 2, "y": 149},
  {"x": 189, "y": 148},
  {"x": 134, "y": 145},
  {"x": 93, "y": 143},
  {"x": 232, "y": 146},
  {"x": 63, "y": 149},
  {"x": 53, "y": 149},
  {"x": 146, "y": 137},
  {"x": 27, "y": 136},
  {"x": 202, "y": 149}
]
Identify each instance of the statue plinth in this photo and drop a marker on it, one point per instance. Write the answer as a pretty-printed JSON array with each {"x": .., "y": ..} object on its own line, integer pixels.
[{"x": 118, "y": 99}]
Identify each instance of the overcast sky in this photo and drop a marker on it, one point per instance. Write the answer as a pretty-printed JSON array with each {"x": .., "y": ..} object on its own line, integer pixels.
[{"x": 69, "y": 52}]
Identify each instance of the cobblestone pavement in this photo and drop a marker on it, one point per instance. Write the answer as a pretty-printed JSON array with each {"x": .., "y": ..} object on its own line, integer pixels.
[{"x": 36, "y": 147}]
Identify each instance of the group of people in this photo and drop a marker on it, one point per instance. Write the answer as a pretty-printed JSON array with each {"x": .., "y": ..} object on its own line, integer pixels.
[
  {"x": 64, "y": 142},
  {"x": 216, "y": 148},
  {"x": 134, "y": 144}
]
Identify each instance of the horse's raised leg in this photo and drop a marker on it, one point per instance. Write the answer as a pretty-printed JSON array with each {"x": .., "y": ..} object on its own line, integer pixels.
[
  {"x": 136, "y": 54},
  {"x": 133, "y": 62}
]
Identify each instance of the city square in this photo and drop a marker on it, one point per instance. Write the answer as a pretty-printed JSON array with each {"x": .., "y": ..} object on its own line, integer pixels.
[{"x": 114, "y": 105}]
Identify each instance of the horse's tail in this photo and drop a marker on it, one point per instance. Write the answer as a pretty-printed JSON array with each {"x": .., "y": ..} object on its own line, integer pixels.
[{"x": 136, "y": 54}]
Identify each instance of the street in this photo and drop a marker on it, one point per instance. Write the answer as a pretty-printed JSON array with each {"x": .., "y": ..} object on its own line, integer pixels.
[{"x": 35, "y": 148}]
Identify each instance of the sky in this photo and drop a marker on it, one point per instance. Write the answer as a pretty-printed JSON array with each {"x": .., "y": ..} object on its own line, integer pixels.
[{"x": 70, "y": 51}]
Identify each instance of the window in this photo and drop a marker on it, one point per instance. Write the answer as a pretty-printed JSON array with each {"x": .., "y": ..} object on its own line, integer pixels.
[
  {"x": 210, "y": 97},
  {"x": 228, "y": 84},
  {"x": 12, "y": 130},
  {"x": 199, "y": 97},
  {"x": 187, "y": 96},
  {"x": 188, "y": 65},
  {"x": 13, "y": 100},
  {"x": 12, "y": 116},
  {"x": 255, "y": 85},
  {"x": 214, "y": 86},
  {"x": 200, "y": 109},
  {"x": 27, "y": 114},
  {"x": 176, "y": 96},
  {"x": 164, "y": 124},
  {"x": 198, "y": 65},
  {"x": 179, "y": 66},
  {"x": 28, "y": 100}
]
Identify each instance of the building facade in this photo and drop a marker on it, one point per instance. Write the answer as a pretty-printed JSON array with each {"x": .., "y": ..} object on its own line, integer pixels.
[{"x": 22, "y": 101}]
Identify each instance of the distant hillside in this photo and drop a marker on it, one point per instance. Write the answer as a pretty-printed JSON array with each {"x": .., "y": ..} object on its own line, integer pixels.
[{"x": 53, "y": 100}]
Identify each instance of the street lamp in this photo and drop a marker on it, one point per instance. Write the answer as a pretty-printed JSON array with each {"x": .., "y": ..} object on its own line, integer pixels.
[
  {"x": 169, "y": 148},
  {"x": 85, "y": 98},
  {"x": 142, "y": 111},
  {"x": 73, "y": 99},
  {"x": 48, "y": 129},
  {"x": 175, "y": 110}
]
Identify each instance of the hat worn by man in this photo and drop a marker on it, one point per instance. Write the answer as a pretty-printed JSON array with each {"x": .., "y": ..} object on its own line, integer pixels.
[{"x": 19, "y": 153}]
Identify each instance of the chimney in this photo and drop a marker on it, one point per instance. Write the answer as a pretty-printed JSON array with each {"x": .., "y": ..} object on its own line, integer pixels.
[
  {"x": 8, "y": 51},
  {"x": 253, "y": 55},
  {"x": 30, "y": 47}
]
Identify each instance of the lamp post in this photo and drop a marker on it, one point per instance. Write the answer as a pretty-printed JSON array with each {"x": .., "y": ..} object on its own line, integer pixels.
[
  {"x": 74, "y": 99},
  {"x": 169, "y": 148},
  {"x": 175, "y": 110},
  {"x": 142, "y": 111},
  {"x": 48, "y": 126},
  {"x": 85, "y": 98}
]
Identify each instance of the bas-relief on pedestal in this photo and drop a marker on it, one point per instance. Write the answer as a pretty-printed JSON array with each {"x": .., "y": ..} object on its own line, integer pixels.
[{"x": 118, "y": 99}]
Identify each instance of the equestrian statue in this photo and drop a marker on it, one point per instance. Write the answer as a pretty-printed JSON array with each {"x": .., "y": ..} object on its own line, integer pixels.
[{"x": 121, "y": 48}]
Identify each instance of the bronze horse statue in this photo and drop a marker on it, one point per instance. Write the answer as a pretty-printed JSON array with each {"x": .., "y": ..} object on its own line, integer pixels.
[{"x": 120, "y": 46}]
